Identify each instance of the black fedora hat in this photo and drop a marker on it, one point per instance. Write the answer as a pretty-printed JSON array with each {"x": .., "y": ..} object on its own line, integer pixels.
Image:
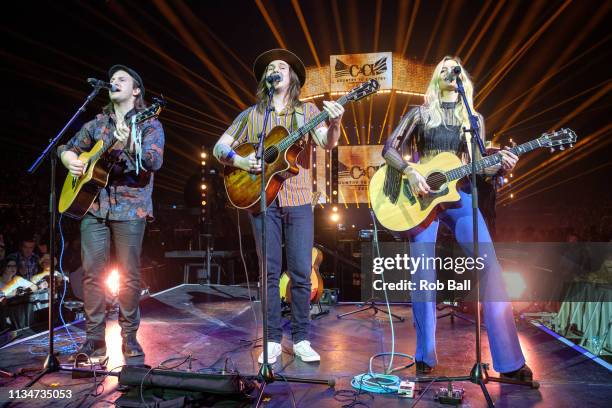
[
  {"x": 132, "y": 73},
  {"x": 261, "y": 63}
]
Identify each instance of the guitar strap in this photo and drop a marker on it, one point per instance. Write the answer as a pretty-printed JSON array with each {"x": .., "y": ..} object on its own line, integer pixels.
[
  {"x": 298, "y": 118},
  {"x": 136, "y": 134},
  {"x": 243, "y": 122}
]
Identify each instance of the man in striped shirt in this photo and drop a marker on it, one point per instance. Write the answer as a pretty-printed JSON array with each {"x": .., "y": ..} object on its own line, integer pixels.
[{"x": 291, "y": 211}]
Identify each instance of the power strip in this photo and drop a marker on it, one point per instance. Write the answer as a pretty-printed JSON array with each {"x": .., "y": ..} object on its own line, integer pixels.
[{"x": 406, "y": 389}]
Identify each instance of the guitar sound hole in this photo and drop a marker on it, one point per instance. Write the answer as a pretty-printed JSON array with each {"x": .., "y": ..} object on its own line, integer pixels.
[
  {"x": 271, "y": 154},
  {"x": 436, "y": 180}
]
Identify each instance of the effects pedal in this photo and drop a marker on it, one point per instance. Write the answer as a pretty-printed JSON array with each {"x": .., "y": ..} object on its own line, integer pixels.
[
  {"x": 449, "y": 395},
  {"x": 86, "y": 369}
]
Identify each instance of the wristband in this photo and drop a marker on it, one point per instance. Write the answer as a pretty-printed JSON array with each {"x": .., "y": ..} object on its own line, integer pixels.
[{"x": 230, "y": 156}]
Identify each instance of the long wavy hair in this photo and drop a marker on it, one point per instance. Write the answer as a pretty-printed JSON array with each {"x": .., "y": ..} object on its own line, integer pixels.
[
  {"x": 432, "y": 106},
  {"x": 293, "y": 92}
]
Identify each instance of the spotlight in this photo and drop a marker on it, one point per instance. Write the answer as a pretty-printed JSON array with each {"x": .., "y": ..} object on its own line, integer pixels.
[
  {"x": 203, "y": 155},
  {"x": 515, "y": 284},
  {"x": 335, "y": 209},
  {"x": 203, "y": 163},
  {"x": 112, "y": 282},
  {"x": 203, "y": 186},
  {"x": 335, "y": 217}
]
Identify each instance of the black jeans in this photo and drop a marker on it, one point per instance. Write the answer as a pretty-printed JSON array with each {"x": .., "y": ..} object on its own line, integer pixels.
[
  {"x": 127, "y": 237},
  {"x": 298, "y": 226}
]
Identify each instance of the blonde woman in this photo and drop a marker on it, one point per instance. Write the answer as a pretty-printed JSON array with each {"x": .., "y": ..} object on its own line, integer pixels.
[{"x": 422, "y": 133}]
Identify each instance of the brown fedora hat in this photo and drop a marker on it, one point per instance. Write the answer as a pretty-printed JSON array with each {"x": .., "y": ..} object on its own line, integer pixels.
[{"x": 261, "y": 63}]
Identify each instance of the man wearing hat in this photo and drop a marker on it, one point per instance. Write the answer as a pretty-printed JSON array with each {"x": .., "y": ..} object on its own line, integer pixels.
[
  {"x": 291, "y": 211},
  {"x": 119, "y": 212}
]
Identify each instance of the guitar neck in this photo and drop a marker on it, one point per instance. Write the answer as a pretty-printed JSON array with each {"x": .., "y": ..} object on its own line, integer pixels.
[
  {"x": 151, "y": 112},
  {"x": 491, "y": 160},
  {"x": 311, "y": 124},
  {"x": 105, "y": 147}
]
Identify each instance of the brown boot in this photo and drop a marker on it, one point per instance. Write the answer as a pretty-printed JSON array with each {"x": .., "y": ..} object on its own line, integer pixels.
[
  {"x": 422, "y": 368},
  {"x": 131, "y": 347},
  {"x": 522, "y": 374}
]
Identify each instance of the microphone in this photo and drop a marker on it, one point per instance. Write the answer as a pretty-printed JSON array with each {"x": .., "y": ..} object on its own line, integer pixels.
[
  {"x": 96, "y": 83},
  {"x": 276, "y": 77},
  {"x": 453, "y": 73}
]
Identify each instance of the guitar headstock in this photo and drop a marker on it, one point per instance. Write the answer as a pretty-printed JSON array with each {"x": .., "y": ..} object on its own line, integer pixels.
[
  {"x": 365, "y": 89},
  {"x": 559, "y": 138},
  {"x": 152, "y": 111}
]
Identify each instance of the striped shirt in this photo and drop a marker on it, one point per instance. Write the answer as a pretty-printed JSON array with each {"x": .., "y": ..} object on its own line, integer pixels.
[{"x": 246, "y": 127}]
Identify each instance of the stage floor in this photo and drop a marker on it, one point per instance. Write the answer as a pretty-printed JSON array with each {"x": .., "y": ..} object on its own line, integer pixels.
[{"x": 211, "y": 322}]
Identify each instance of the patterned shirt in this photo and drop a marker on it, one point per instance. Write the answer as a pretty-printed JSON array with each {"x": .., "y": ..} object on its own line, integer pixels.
[
  {"x": 127, "y": 195},
  {"x": 246, "y": 127},
  {"x": 26, "y": 267}
]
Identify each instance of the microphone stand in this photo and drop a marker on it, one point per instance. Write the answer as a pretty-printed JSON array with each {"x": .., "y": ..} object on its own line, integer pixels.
[
  {"x": 266, "y": 374},
  {"x": 478, "y": 374},
  {"x": 51, "y": 363},
  {"x": 371, "y": 304}
]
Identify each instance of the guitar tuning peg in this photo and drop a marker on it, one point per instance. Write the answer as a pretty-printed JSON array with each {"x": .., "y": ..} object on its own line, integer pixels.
[
  {"x": 561, "y": 147},
  {"x": 571, "y": 145},
  {"x": 552, "y": 149}
]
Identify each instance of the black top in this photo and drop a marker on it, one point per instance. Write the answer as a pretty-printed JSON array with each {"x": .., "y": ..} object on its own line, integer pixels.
[
  {"x": 411, "y": 137},
  {"x": 444, "y": 138}
]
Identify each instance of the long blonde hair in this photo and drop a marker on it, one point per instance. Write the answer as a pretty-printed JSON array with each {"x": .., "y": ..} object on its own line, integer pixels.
[{"x": 433, "y": 106}]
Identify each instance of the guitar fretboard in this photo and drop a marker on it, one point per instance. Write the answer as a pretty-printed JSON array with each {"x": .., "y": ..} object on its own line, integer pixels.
[
  {"x": 491, "y": 160},
  {"x": 311, "y": 124}
]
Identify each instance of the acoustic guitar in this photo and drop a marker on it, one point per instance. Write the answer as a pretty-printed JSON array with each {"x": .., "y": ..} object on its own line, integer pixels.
[
  {"x": 78, "y": 193},
  {"x": 316, "y": 289},
  {"x": 281, "y": 149},
  {"x": 398, "y": 208}
]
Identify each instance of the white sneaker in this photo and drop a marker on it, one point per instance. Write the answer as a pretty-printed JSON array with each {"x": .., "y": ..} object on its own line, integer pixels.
[
  {"x": 305, "y": 352},
  {"x": 274, "y": 351}
]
